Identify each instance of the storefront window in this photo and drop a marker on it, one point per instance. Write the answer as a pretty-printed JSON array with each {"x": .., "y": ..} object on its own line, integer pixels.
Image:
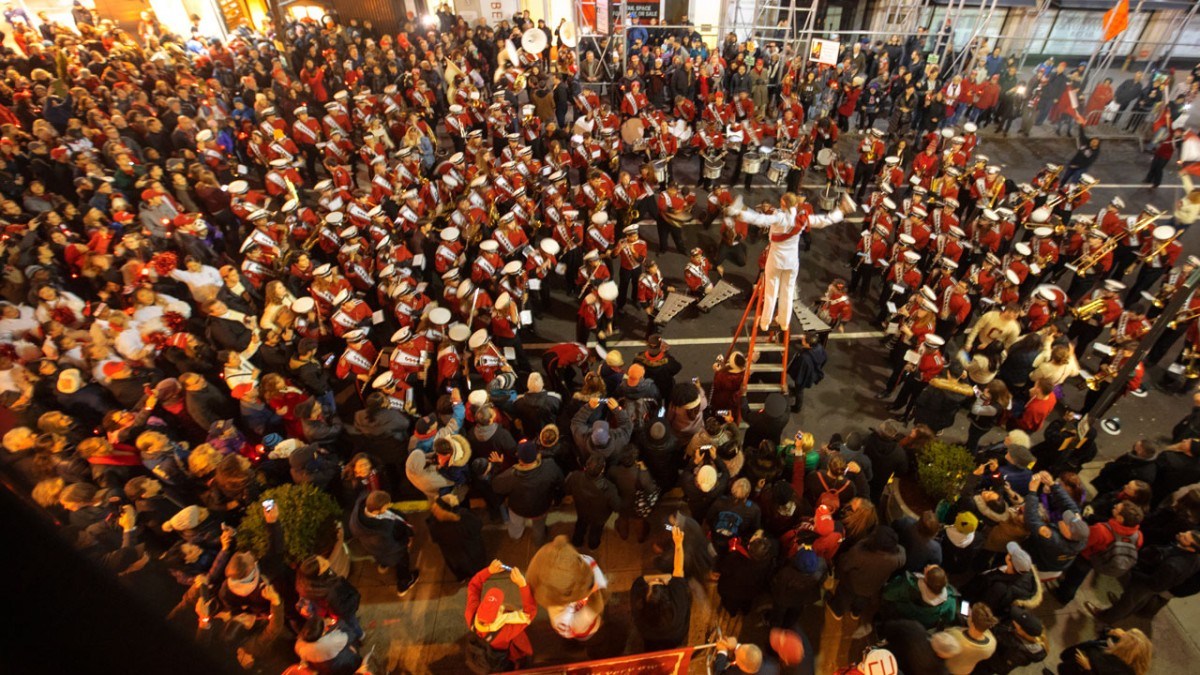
[{"x": 312, "y": 12}]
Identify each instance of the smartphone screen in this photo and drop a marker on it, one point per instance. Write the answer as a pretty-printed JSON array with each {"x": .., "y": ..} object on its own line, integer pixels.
[{"x": 268, "y": 504}]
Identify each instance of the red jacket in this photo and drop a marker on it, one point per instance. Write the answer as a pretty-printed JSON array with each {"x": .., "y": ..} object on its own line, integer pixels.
[
  {"x": 1036, "y": 412},
  {"x": 1101, "y": 535},
  {"x": 510, "y": 636}
]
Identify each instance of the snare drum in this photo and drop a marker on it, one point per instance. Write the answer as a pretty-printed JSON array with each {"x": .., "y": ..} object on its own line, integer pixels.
[
  {"x": 713, "y": 168},
  {"x": 826, "y": 156},
  {"x": 752, "y": 162},
  {"x": 660, "y": 170},
  {"x": 777, "y": 172}
]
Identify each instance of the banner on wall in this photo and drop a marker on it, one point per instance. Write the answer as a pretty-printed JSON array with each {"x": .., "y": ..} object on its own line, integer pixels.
[
  {"x": 603, "y": 23},
  {"x": 641, "y": 10},
  {"x": 496, "y": 11},
  {"x": 824, "y": 51},
  {"x": 670, "y": 662}
]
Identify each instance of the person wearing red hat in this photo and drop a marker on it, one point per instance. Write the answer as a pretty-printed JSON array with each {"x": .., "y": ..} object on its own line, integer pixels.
[{"x": 497, "y": 640}]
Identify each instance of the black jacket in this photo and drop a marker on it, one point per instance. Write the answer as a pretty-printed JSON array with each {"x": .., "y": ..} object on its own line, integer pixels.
[
  {"x": 311, "y": 375},
  {"x": 909, "y": 642},
  {"x": 887, "y": 458},
  {"x": 531, "y": 491},
  {"x": 1011, "y": 652},
  {"x": 459, "y": 534},
  {"x": 535, "y": 410},
  {"x": 999, "y": 590},
  {"x": 1115, "y": 474},
  {"x": 228, "y": 334},
  {"x": 386, "y": 539},
  {"x": 595, "y": 498}
]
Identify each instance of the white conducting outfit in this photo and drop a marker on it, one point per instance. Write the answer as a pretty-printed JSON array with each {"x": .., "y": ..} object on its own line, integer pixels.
[{"x": 783, "y": 260}]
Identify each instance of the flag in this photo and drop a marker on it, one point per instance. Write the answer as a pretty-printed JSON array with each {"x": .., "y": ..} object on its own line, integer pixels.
[{"x": 1116, "y": 20}]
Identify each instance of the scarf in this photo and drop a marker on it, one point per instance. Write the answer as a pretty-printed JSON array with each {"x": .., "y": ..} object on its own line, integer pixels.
[
  {"x": 504, "y": 618},
  {"x": 958, "y": 538}
]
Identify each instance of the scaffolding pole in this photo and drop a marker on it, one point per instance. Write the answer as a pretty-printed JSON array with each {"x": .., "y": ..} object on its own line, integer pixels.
[
  {"x": 1175, "y": 30},
  {"x": 1042, "y": 7},
  {"x": 960, "y": 57},
  {"x": 1107, "y": 59},
  {"x": 897, "y": 17}
]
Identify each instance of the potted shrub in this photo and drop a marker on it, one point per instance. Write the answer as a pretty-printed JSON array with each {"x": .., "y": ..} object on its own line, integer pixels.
[
  {"x": 941, "y": 471},
  {"x": 308, "y": 516}
]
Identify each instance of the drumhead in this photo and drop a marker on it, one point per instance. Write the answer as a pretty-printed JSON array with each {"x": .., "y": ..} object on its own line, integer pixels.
[{"x": 826, "y": 156}]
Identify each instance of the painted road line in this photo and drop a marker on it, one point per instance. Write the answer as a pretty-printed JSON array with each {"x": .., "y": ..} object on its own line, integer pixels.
[{"x": 702, "y": 341}]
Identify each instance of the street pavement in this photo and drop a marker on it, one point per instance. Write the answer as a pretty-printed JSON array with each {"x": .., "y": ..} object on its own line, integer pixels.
[{"x": 424, "y": 632}]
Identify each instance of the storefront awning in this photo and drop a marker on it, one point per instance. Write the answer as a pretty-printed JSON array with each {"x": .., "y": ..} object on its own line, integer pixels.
[
  {"x": 986, "y": 4},
  {"x": 1105, "y": 5}
]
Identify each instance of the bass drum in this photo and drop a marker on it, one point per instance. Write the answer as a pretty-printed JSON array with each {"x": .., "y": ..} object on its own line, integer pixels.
[{"x": 633, "y": 133}]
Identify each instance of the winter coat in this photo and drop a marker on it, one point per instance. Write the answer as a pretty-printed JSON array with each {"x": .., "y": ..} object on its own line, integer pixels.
[
  {"x": 531, "y": 489},
  {"x": 1055, "y": 552},
  {"x": 887, "y": 459},
  {"x": 534, "y": 410},
  {"x": 661, "y": 457},
  {"x": 488, "y": 438},
  {"x": 595, "y": 498},
  {"x": 1001, "y": 591},
  {"x": 767, "y": 423},
  {"x": 864, "y": 571},
  {"x": 661, "y": 369},
  {"x": 1012, "y": 652},
  {"x": 904, "y": 599},
  {"x": 424, "y": 475},
  {"x": 459, "y": 534},
  {"x": 385, "y": 539},
  {"x": 619, "y": 432}
]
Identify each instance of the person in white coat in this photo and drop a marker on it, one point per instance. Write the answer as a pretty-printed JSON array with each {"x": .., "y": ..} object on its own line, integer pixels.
[{"x": 783, "y": 259}]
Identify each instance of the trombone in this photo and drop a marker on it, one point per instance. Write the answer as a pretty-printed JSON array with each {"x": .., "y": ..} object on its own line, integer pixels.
[
  {"x": 1089, "y": 260},
  {"x": 1106, "y": 373},
  {"x": 1149, "y": 257},
  {"x": 1183, "y": 317},
  {"x": 1144, "y": 222}
]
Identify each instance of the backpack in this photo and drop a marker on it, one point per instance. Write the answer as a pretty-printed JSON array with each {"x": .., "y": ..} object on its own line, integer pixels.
[
  {"x": 483, "y": 658},
  {"x": 1119, "y": 557},
  {"x": 830, "y": 499}
]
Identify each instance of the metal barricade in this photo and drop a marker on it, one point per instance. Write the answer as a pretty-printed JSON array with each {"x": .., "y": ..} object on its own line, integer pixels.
[{"x": 1124, "y": 125}]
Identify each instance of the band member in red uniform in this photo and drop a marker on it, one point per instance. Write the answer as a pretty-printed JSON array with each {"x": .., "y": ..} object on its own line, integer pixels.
[
  {"x": 595, "y": 315},
  {"x": 651, "y": 293},
  {"x": 631, "y": 255}
]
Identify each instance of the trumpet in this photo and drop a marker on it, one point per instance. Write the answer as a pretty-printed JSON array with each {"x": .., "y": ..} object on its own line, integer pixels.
[
  {"x": 1089, "y": 260},
  {"x": 1088, "y": 310},
  {"x": 1183, "y": 317}
]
